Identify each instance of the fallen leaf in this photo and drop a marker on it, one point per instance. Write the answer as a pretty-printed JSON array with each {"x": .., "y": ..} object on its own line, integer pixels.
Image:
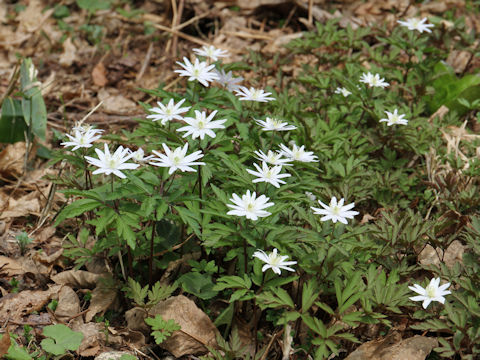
[
  {"x": 135, "y": 320},
  {"x": 11, "y": 159},
  {"x": 414, "y": 348},
  {"x": 78, "y": 279},
  {"x": 91, "y": 337},
  {"x": 99, "y": 75},
  {"x": 28, "y": 204},
  {"x": 430, "y": 256},
  {"x": 31, "y": 17},
  {"x": 115, "y": 103},
  {"x": 4, "y": 344},
  {"x": 68, "y": 303},
  {"x": 454, "y": 253},
  {"x": 10, "y": 267},
  {"x": 102, "y": 298},
  {"x": 15, "y": 306},
  {"x": 69, "y": 54},
  {"x": 197, "y": 330}
]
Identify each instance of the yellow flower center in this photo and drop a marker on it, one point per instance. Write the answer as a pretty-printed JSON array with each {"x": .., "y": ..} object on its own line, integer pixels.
[
  {"x": 335, "y": 210},
  {"x": 430, "y": 291}
]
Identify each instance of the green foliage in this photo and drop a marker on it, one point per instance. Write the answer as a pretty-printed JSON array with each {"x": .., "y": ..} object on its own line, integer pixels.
[
  {"x": 60, "y": 338},
  {"x": 26, "y": 116},
  {"x": 452, "y": 91},
  {"x": 140, "y": 294},
  {"x": 93, "y": 5},
  {"x": 346, "y": 275},
  {"x": 23, "y": 240},
  {"x": 162, "y": 329}
]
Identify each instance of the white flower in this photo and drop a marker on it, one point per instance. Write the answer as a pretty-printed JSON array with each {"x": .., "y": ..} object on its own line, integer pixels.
[
  {"x": 432, "y": 292},
  {"x": 83, "y": 128},
  {"x": 343, "y": 91},
  {"x": 298, "y": 153},
  {"x": 139, "y": 156},
  {"x": 394, "y": 118},
  {"x": 228, "y": 81},
  {"x": 270, "y": 175},
  {"x": 253, "y": 94},
  {"x": 274, "y": 158},
  {"x": 373, "y": 80},
  {"x": 211, "y": 52},
  {"x": 112, "y": 163},
  {"x": 416, "y": 24},
  {"x": 170, "y": 112},
  {"x": 274, "y": 261},
  {"x": 201, "y": 125},
  {"x": 177, "y": 159},
  {"x": 249, "y": 205},
  {"x": 310, "y": 196},
  {"x": 335, "y": 211},
  {"x": 273, "y": 124},
  {"x": 200, "y": 71},
  {"x": 82, "y": 139}
]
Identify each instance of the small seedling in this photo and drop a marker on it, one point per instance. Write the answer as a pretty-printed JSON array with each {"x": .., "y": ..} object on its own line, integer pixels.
[{"x": 23, "y": 240}]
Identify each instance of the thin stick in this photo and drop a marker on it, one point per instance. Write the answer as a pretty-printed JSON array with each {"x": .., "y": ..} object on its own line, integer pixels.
[{"x": 145, "y": 63}]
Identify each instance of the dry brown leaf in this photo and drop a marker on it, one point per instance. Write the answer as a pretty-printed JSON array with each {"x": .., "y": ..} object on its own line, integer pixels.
[
  {"x": 92, "y": 338},
  {"x": 197, "y": 330},
  {"x": 26, "y": 205},
  {"x": 77, "y": 279},
  {"x": 3, "y": 12},
  {"x": 454, "y": 254},
  {"x": 68, "y": 303},
  {"x": 31, "y": 17},
  {"x": 458, "y": 60},
  {"x": 441, "y": 112},
  {"x": 114, "y": 102},
  {"x": 4, "y": 344},
  {"x": 430, "y": 256},
  {"x": 135, "y": 320},
  {"x": 11, "y": 159},
  {"x": 414, "y": 348},
  {"x": 102, "y": 299},
  {"x": 10, "y": 267},
  {"x": 52, "y": 259},
  {"x": 15, "y": 306},
  {"x": 99, "y": 75},
  {"x": 69, "y": 54},
  {"x": 45, "y": 233}
]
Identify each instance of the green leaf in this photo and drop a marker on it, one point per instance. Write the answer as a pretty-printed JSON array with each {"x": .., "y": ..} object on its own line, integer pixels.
[
  {"x": 125, "y": 231},
  {"x": 12, "y": 124},
  {"x": 309, "y": 295},
  {"x": 60, "y": 338},
  {"x": 160, "y": 292},
  {"x": 198, "y": 284},
  {"x": 77, "y": 208},
  {"x": 189, "y": 218},
  {"x": 94, "y": 5},
  {"x": 162, "y": 329}
]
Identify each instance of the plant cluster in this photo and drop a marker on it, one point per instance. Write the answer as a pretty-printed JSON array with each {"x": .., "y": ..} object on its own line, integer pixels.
[{"x": 260, "y": 184}]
